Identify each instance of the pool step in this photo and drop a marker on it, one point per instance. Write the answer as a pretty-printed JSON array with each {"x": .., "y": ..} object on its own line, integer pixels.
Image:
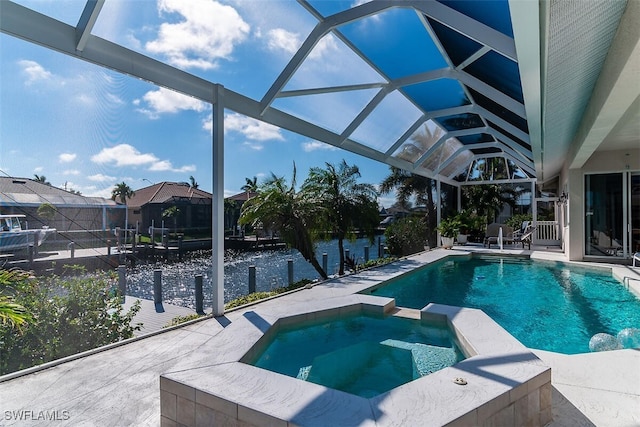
[
  {"x": 426, "y": 358},
  {"x": 336, "y": 368}
]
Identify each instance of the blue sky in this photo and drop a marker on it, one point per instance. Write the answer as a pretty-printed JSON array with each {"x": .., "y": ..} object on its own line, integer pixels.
[{"x": 89, "y": 128}]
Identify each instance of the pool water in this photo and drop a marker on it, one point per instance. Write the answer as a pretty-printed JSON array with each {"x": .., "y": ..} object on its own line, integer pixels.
[
  {"x": 360, "y": 354},
  {"x": 545, "y": 305}
]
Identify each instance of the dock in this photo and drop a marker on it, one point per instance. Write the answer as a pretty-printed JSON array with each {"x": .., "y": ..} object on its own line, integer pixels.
[
  {"x": 154, "y": 317},
  {"x": 253, "y": 243},
  {"x": 100, "y": 258}
]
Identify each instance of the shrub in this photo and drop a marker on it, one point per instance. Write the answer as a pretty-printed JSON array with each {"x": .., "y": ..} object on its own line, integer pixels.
[
  {"x": 376, "y": 262},
  {"x": 406, "y": 236},
  {"x": 66, "y": 315},
  {"x": 449, "y": 227},
  {"x": 178, "y": 320},
  {"x": 516, "y": 221},
  {"x": 257, "y": 296}
]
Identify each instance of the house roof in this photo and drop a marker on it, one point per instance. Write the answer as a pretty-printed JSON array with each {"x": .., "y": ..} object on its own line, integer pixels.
[
  {"x": 167, "y": 192},
  {"x": 27, "y": 192},
  {"x": 243, "y": 197}
]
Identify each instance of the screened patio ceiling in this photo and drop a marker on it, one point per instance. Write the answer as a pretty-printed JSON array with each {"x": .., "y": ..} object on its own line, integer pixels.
[{"x": 456, "y": 90}]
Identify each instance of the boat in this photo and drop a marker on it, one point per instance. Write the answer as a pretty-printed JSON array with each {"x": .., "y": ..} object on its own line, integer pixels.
[{"x": 13, "y": 238}]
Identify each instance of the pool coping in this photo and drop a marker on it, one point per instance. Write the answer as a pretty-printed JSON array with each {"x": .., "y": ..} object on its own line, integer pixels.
[{"x": 506, "y": 382}]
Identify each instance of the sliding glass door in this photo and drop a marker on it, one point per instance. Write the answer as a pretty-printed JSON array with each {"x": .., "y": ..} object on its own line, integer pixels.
[
  {"x": 604, "y": 226},
  {"x": 612, "y": 214},
  {"x": 634, "y": 202}
]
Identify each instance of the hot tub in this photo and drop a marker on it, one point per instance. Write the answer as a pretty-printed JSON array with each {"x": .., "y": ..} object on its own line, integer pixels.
[{"x": 500, "y": 382}]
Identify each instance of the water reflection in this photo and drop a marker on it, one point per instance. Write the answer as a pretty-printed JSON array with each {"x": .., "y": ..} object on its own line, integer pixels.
[{"x": 271, "y": 272}]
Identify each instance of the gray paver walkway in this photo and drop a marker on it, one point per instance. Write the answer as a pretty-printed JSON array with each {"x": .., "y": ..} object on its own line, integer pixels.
[{"x": 120, "y": 386}]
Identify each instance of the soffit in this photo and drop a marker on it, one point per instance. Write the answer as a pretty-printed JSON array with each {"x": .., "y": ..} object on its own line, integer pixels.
[{"x": 578, "y": 40}]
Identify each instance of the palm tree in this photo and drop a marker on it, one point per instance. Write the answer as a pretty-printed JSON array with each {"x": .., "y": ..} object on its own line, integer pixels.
[
  {"x": 410, "y": 185},
  {"x": 250, "y": 186},
  {"x": 230, "y": 213},
  {"x": 194, "y": 184},
  {"x": 488, "y": 199},
  {"x": 172, "y": 212},
  {"x": 47, "y": 211},
  {"x": 349, "y": 204},
  {"x": 296, "y": 216},
  {"x": 12, "y": 314},
  {"x": 420, "y": 142},
  {"x": 122, "y": 192},
  {"x": 41, "y": 179}
]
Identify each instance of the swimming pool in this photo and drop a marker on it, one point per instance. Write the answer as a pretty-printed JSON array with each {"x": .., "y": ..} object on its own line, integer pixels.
[
  {"x": 545, "y": 305},
  {"x": 361, "y": 354}
]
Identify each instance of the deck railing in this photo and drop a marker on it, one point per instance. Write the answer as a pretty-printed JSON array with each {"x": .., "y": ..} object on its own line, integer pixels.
[{"x": 547, "y": 231}]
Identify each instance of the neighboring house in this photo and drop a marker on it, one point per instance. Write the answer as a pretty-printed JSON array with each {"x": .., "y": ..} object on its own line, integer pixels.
[
  {"x": 148, "y": 203},
  {"x": 397, "y": 211},
  {"x": 391, "y": 214},
  {"x": 231, "y": 216},
  {"x": 73, "y": 212}
]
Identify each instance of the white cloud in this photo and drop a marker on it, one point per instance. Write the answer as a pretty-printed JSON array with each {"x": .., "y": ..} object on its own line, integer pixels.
[
  {"x": 85, "y": 99},
  {"x": 75, "y": 86},
  {"x": 165, "y": 101},
  {"x": 208, "y": 31},
  {"x": 123, "y": 155},
  {"x": 166, "y": 166},
  {"x": 127, "y": 155},
  {"x": 114, "y": 99},
  {"x": 207, "y": 123},
  {"x": 67, "y": 157},
  {"x": 359, "y": 2},
  {"x": 317, "y": 145},
  {"x": 71, "y": 172},
  {"x": 251, "y": 128},
  {"x": 281, "y": 39},
  {"x": 253, "y": 145},
  {"x": 386, "y": 201},
  {"x": 325, "y": 46},
  {"x": 101, "y": 178},
  {"x": 34, "y": 71},
  {"x": 92, "y": 191}
]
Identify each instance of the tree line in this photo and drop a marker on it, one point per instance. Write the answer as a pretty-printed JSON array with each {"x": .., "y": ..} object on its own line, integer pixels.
[
  {"x": 329, "y": 203},
  {"x": 331, "y": 200}
]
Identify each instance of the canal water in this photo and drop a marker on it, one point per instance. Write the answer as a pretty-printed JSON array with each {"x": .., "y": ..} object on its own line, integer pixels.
[{"x": 178, "y": 278}]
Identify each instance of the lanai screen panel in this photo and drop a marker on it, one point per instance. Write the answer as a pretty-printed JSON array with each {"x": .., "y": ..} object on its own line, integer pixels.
[{"x": 372, "y": 73}]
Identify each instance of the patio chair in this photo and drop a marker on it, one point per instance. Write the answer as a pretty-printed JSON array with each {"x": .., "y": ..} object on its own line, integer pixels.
[
  {"x": 636, "y": 257},
  {"x": 493, "y": 230},
  {"x": 525, "y": 235}
]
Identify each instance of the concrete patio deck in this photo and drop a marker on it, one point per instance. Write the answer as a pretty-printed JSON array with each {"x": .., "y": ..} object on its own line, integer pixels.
[{"x": 120, "y": 386}]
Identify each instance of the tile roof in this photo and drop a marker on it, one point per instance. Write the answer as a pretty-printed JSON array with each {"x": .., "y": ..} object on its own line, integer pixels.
[
  {"x": 242, "y": 197},
  {"x": 164, "y": 192}
]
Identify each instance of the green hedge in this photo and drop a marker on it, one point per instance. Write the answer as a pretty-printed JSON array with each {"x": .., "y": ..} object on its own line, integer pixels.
[{"x": 65, "y": 316}]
